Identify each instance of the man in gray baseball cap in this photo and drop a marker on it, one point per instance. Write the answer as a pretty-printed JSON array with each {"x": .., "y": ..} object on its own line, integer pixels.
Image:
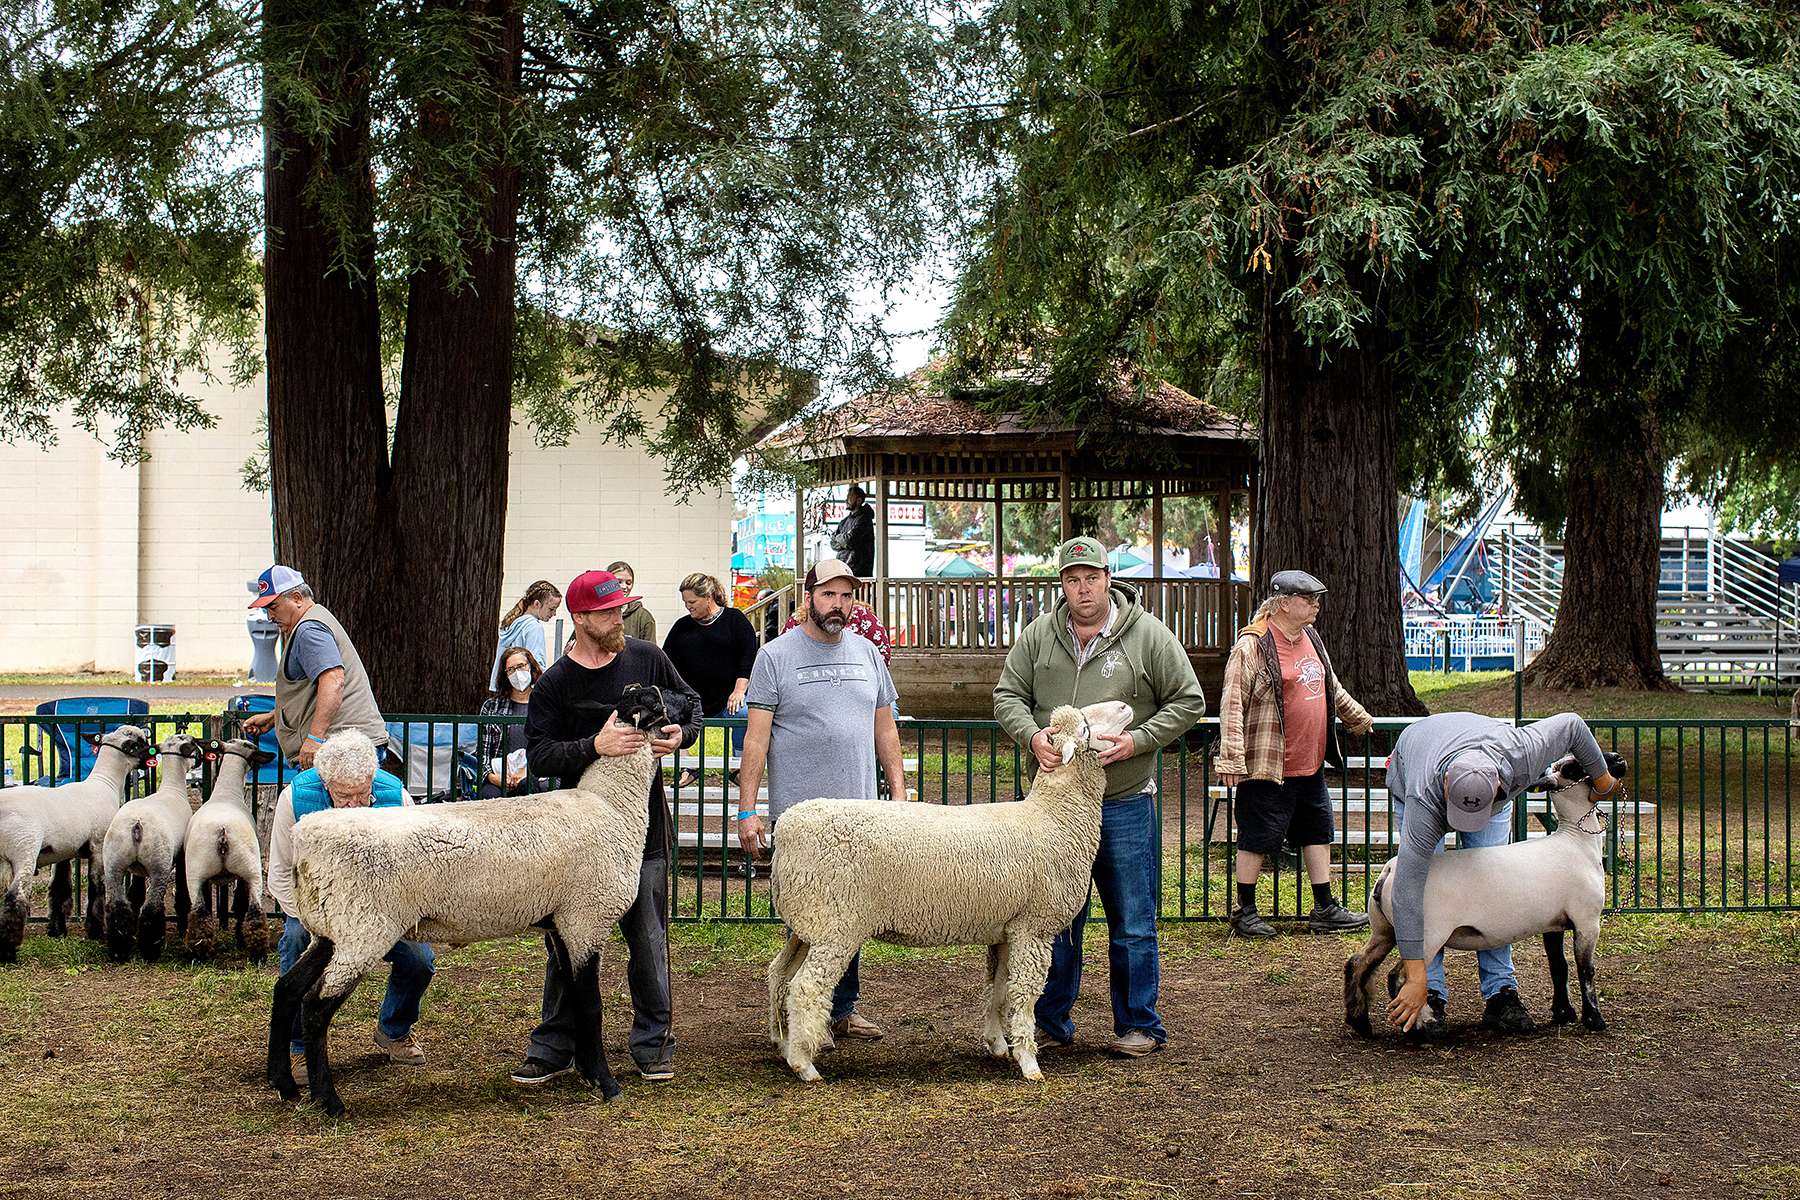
[
  {"x": 1098, "y": 643},
  {"x": 1461, "y": 772}
]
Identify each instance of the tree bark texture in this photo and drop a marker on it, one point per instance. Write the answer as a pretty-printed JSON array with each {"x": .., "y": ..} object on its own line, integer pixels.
[
  {"x": 407, "y": 550},
  {"x": 1329, "y": 503},
  {"x": 1605, "y": 634}
]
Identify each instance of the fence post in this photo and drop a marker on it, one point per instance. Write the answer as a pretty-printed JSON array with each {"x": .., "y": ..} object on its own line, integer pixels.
[{"x": 1518, "y": 670}]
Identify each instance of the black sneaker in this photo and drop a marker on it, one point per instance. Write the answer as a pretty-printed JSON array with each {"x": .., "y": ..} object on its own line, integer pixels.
[
  {"x": 1248, "y": 923},
  {"x": 657, "y": 1072},
  {"x": 534, "y": 1071},
  {"x": 1506, "y": 1014},
  {"x": 1335, "y": 918}
]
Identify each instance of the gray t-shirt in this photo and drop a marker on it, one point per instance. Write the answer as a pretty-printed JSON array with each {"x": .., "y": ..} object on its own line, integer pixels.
[
  {"x": 1415, "y": 777},
  {"x": 313, "y": 653},
  {"x": 823, "y": 697}
]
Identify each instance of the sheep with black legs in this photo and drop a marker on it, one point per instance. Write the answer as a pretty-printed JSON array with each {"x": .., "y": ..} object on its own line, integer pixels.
[
  {"x": 1497, "y": 895},
  {"x": 145, "y": 840},
  {"x": 224, "y": 857},
  {"x": 42, "y": 825},
  {"x": 1006, "y": 876},
  {"x": 463, "y": 873}
]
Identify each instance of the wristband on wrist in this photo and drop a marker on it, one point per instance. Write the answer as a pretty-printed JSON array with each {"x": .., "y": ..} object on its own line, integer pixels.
[
  {"x": 315, "y": 738},
  {"x": 748, "y": 812}
]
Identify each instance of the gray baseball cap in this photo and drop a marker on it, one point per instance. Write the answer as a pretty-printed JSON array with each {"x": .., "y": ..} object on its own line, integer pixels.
[
  {"x": 1296, "y": 583},
  {"x": 1471, "y": 791}
]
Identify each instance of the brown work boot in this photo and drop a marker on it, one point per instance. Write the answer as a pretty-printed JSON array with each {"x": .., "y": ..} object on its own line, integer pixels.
[
  {"x": 857, "y": 1028},
  {"x": 404, "y": 1050}
]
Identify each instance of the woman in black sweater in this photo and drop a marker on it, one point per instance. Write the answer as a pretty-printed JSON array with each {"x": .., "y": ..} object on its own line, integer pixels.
[{"x": 713, "y": 648}]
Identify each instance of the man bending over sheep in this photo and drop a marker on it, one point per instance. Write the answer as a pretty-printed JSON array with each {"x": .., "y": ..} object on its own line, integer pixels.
[
  {"x": 343, "y": 775},
  {"x": 1098, "y": 644},
  {"x": 1462, "y": 772},
  {"x": 821, "y": 717},
  {"x": 566, "y": 730}
]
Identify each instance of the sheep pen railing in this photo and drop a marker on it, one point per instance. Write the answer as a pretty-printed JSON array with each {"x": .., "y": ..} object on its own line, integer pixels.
[{"x": 1708, "y": 824}]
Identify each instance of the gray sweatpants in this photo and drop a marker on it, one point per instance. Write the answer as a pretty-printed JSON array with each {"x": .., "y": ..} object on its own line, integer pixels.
[{"x": 646, "y": 929}]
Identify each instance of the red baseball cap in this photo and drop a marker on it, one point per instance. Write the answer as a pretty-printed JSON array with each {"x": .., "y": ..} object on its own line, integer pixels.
[{"x": 592, "y": 591}]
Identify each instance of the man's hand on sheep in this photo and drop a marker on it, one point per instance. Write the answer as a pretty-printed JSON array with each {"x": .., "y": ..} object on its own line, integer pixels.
[
  {"x": 1403, "y": 1009},
  {"x": 309, "y": 750},
  {"x": 1123, "y": 747},
  {"x": 616, "y": 741},
  {"x": 669, "y": 742},
  {"x": 1047, "y": 755}
]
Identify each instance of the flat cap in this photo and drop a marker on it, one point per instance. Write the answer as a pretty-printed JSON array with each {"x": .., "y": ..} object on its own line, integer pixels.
[{"x": 1296, "y": 583}]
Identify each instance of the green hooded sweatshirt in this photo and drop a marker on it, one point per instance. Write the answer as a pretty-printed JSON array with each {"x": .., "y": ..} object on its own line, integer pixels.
[{"x": 1138, "y": 661}]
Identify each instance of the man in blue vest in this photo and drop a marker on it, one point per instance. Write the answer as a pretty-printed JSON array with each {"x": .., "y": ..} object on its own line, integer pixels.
[{"x": 343, "y": 775}]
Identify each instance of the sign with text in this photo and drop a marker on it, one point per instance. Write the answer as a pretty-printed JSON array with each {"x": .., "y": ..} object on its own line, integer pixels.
[{"x": 900, "y": 512}]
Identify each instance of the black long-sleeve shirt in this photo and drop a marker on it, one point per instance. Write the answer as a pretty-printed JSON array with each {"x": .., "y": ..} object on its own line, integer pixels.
[
  {"x": 570, "y": 704},
  {"x": 713, "y": 657}
]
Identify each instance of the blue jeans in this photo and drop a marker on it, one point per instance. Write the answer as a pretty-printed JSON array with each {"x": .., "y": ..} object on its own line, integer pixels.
[
  {"x": 1496, "y": 965},
  {"x": 414, "y": 963},
  {"x": 1128, "y": 871}
]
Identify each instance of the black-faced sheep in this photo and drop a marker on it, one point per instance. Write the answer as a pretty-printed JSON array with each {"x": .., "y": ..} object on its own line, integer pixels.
[
  {"x": 145, "y": 840},
  {"x": 462, "y": 873},
  {"x": 41, "y": 825},
  {"x": 1497, "y": 895}
]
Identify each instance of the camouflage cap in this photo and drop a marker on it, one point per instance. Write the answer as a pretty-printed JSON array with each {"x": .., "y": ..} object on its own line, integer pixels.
[{"x": 1081, "y": 552}]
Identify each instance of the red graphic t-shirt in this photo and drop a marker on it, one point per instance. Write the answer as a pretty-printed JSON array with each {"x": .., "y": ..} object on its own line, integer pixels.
[{"x": 1303, "y": 707}]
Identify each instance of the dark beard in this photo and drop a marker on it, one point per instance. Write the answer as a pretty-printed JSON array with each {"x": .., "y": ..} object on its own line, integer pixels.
[
  {"x": 612, "y": 643},
  {"x": 832, "y": 624}
]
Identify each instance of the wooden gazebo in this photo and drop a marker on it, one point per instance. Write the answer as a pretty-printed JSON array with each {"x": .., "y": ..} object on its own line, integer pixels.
[{"x": 919, "y": 441}]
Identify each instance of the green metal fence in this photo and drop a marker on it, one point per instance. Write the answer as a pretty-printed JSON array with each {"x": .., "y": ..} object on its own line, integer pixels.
[{"x": 1708, "y": 824}]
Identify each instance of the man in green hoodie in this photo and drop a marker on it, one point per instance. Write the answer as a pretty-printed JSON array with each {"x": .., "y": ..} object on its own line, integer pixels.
[{"x": 1097, "y": 644}]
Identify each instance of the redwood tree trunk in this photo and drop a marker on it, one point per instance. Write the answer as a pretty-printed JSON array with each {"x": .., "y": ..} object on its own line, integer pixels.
[
  {"x": 408, "y": 554},
  {"x": 1329, "y": 504},
  {"x": 1605, "y": 633}
]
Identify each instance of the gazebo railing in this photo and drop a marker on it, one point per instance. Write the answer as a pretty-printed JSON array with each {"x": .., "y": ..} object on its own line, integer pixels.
[{"x": 984, "y": 613}]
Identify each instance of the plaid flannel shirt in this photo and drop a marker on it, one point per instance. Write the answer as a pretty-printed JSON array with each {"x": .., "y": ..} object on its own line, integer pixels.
[{"x": 1252, "y": 739}]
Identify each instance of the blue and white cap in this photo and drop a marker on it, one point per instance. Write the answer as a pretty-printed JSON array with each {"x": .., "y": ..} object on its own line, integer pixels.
[{"x": 272, "y": 583}]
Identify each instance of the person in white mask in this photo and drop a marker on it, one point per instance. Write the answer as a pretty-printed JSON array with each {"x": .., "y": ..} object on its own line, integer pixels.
[{"x": 501, "y": 749}]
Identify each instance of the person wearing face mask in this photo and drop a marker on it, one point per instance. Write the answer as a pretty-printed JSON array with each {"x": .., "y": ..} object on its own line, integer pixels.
[
  {"x": 712, "y": 648},
  {"x": 501, "y": 745}
]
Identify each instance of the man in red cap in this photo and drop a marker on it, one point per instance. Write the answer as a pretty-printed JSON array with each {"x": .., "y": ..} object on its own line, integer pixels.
[{"x": 569, "y": 725}]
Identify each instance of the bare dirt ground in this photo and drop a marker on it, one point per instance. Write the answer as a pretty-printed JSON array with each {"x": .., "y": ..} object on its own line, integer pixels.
[{"x": 148, "y": 1081}]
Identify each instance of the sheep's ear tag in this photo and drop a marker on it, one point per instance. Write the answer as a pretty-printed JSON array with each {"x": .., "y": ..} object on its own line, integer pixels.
[
  {"x": 1068, "y": 752},
  {"x": 211, "y": 757},
  {"x": 151, "y": 761}
]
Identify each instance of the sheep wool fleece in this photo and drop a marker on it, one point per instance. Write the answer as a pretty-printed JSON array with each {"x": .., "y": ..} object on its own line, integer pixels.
[
  {"x": 1415, "y": 778},
  {"x": 1137, "y": 661}
]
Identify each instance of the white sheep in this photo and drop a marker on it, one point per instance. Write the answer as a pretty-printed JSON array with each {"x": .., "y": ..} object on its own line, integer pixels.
[
  {"x": 1493, "y": 896},
  {"x": 42, "y": 825},
  {"x": 222, "y": 850},
  {"x": 462, "y": 873},
  {"x": 1006, "y": 876},
  {"x": 144, "y": 841}
]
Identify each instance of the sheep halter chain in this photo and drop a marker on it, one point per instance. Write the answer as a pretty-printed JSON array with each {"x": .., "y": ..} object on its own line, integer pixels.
[{"x": 1580, "y": 822}]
